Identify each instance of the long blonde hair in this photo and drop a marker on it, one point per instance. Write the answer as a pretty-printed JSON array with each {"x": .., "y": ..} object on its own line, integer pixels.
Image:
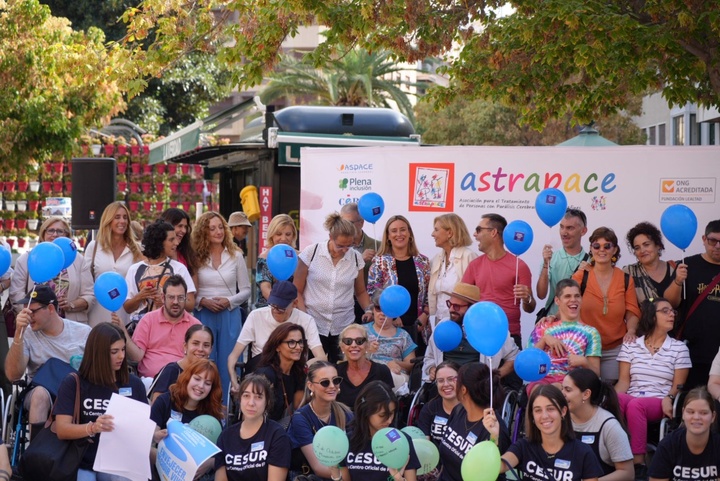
[
  {"x": 104, "y": 237},
  {"x": 201, "y": 238},
  {"x": 386, "y": 247},
  {"x": 338, "y": 409}
]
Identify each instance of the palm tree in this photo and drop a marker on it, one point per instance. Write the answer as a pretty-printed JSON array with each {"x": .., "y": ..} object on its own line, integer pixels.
[{"x": 356, "y": 78}]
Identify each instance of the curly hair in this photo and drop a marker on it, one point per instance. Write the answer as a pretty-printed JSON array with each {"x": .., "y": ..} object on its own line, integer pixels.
[
  {"x": 647, "y": 229},
  {"x": 201, "y": 237},
  {"x": 154, "y": 237},
  {"x": 104, "y": 236},
  {"x": 212, "y": 403},
  {"x": 277, "y": 223},
  {"x": 270, "y": 357},
  {"x": 174, "y": 216}
]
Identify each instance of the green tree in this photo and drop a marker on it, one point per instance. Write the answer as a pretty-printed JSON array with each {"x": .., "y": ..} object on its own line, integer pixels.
[
  {"x": 357, "y": 78},
  {"x": 55, "y": 83},
  {"x": 548, "y": 57}
]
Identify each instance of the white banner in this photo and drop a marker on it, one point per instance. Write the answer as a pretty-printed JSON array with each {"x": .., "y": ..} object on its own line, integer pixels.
[{"x": 616, "y": 187}]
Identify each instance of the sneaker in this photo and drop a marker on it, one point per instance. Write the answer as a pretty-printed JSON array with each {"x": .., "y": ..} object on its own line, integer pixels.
[{"x": 641, "y": 472}]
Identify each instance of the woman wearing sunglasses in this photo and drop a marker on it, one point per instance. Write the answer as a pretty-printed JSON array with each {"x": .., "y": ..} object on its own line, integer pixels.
[
  {"x": 282, "y": 361},
  {"x": 652, "y": 369},
  {"x": 358, "y": 370},
  {"x": 319, "y": 408},
  {"x": 390, "y": 344},
  {"x": 609, "y": 303}
]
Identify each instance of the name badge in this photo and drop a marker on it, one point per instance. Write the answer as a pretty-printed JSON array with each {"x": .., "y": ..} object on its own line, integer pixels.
[
  {"x": 175, "y": 415},
  {"x": 125, "y": 391},
  {"x": 471, "y": 438},
  {"x": 562, "y": 464},
  {"x": 440, "y": 420},
  {"x": 588, "y": 438},
  {"x": 259, "y": 446}
]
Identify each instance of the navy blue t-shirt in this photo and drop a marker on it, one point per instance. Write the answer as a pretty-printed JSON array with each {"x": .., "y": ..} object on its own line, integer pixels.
[
  {"x": 162, "y": 411},
  {"x": 575, "y": 461},
  {"x": 364, "y": 466},
  {"x": 93, "y": 403},
  {"x": 349, "y": 392},
  {"x": 673, "y": 459},
  {"x": 165, "y": 378},
  {"x": 433, "y": 420},
  {"x": 249, "y": 459},
  {"x": 460, "y": 436}
]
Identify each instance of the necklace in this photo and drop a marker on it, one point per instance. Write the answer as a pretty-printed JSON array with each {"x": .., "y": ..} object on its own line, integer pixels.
[
  {"x": 651, "y": 346},
  {"x": 324, "y": 420},
  {"x": 467, "y": 429}
]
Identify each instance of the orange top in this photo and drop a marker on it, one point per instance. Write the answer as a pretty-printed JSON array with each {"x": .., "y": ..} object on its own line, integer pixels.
[{"x": 608, "y": 315}]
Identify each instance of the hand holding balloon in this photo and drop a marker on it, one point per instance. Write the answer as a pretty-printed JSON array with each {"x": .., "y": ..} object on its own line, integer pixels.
[
  {"x": 681, "y": 273},
  {"x": 491, "y": 424}
]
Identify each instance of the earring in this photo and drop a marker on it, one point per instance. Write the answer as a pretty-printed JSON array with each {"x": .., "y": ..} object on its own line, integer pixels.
[
  {"x": 312, "y": 393},
  {"x": 614, "y": 259}
]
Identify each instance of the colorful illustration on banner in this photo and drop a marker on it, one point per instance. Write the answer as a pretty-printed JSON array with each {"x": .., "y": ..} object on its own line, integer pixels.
[{"x": 431, "y": 187}]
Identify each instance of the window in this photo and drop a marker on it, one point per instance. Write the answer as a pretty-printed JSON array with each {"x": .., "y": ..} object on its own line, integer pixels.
[
  {"x": 712, "y": 137},
  {"x": 661, "y": 134},
  {"x": 652, "y": 139},
  {"x": 694, "y": 130},
  {"x": 679, "y": 130}
]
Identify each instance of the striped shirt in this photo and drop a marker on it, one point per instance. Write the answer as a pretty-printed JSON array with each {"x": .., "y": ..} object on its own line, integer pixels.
[{"x": 652, "y": 375}]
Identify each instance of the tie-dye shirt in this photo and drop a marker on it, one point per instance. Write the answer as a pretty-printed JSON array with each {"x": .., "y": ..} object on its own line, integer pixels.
[{"x": 578, "y": 338}]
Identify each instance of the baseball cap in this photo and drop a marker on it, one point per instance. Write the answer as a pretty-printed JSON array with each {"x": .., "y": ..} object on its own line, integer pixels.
[
  {"x": 238, "y": 218},
  {"x": 282, "y": 294},
  {"x": 42, "y": 294}
]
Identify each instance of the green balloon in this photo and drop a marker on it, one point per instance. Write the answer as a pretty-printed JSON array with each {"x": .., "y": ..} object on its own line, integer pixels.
[
  {"x": 208, "y": 426},
  {"x": 427, "y": 453},
  {"x": 414, "y": 432},
  {"x": 481, "y": 463},
  {"x": 391, "y": 447},
  {"x": 330, "y": 445}
]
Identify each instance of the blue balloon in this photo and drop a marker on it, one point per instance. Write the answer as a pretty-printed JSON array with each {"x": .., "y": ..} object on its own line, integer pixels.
[
  {"x": 282, "y": 260},
  {"x": 679, "y": 225},
  {"x": 371, "y": 207},
  {"x": 111, "y": 290},
  {"x": 518, "y": 237},
  {"x": 394, "y": 301},
  {"x": 69, "y": 249},
  {"x": 532, "y": 364},
  {"x": 486, "y": 327},
  {"x": 5, "y": 260},
  {"x": 45, "y": 262},
  {"x": 550, "y": 206},
  {"x": 447, "y": 335}
]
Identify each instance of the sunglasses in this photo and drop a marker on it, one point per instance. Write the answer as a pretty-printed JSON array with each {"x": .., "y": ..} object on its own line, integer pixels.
[
  {"x": 479, "y": 229},
  {"x": 597, "y": 246},
  {"x": 277, "y": 309},
  {"x": 357, "y": 340},
  {"x": 326, "y": 382}
]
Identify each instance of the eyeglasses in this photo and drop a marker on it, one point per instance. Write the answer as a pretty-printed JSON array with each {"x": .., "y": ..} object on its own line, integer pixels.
[
  {"x": 57, "y": 232},
  {"x": 277, "y": 309},
  {"x": 179, "y": 299},
  {"x": 478, "y": 229},
  {"x": 712, "y": 242},
  {"x": 293, "y": 343},
  {"x": 342, "y": 247},
  {"x": 667, "y": 311},
  {"x": 357, "y": 340},
  {"x": 457, "y": 307},
  {"x": 449, "y": 380},
  {"x": 33, "y": 311},
  {"x": 326, "y": 382},
  {"x": 607, "y": 246}
]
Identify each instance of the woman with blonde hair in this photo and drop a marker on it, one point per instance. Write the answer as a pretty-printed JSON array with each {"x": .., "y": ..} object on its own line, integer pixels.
[
  {"x": 73, "y": 286},
  {"x": 448, "y": 266},
  {"x": 114, "y": 249},
  {"x": 281, "y": 230},
  {"x": 223, "y": 285},
  {"x": 328, "y": 275}
]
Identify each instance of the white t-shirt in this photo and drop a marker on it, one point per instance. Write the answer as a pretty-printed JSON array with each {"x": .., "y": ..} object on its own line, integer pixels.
[
  {"x": 39, "y": 347},
  {"x": 260, "y": 324}
]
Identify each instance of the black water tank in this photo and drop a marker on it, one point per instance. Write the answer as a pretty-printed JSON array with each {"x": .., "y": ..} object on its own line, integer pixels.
[{"x": 368, "y": 121}]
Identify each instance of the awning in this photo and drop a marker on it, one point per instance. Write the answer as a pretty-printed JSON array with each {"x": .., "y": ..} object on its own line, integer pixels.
[{"x": 588, "y": 137}]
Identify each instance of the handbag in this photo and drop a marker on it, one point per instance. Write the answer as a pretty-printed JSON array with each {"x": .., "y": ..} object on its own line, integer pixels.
[
  {"x": 51, "y": 458},
  {"x": 9, "y": 316}
]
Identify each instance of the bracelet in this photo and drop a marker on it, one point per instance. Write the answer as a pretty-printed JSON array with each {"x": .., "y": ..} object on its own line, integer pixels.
[
  {"x": 677, "y": 283},
  {"x": 336, "y": 479},
  {"x": 88, "y": 430},
  {"x": 671, "y": 396}
]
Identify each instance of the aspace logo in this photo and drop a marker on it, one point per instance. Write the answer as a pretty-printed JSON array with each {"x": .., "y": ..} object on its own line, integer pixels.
[
  {"x": 688, "y": 190},
  {"x": 355, "y": 184},
  {"x": 355, "y": 168},
  {"x": 499, "y": 181}
]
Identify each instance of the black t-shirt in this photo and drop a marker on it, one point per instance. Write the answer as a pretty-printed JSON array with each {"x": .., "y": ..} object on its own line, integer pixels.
[
  {"x": 462, "y": 354},
  {"x": 93, "y": 403},
  {"x": 162, "y": 411},
  {"x": 165, "y": 378},
  {"x": 364, "y": 466},
  {"x": 290, "y": 385},
  {"x": 248, "y": 459},
  {"x": 407, "y": 277},
  {"x": 673, "y": 460},
  {"x": 575, "y": 461},
  {"x": 349, "y": 392},
  {"x": 702, "y": 329},
  {"x": 460, "y": 436},
  {"x": 433, "y": 420}
]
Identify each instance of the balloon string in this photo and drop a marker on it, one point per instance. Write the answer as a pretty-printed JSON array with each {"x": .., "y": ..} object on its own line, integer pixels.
[
  {"x": 28, "y": 306},
  {"x": 489, "y": 358},
  {"x": 375, "y": 238},
  {"x": 684, "y": 287},
  {"x": 517, "y": 267}
]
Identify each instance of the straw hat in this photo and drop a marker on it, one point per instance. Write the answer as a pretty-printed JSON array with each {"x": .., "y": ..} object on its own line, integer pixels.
[{"x": 466, "y": 292}]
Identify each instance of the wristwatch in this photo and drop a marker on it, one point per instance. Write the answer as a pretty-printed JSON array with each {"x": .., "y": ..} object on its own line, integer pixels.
[{"x": 72, "y": 307}]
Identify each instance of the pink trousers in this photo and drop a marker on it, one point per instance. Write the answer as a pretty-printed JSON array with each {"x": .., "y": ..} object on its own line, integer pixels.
[{"x": 638, "y": 412}]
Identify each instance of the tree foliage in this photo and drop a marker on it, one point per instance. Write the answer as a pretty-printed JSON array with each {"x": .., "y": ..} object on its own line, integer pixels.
[
  {"x": 55, "y": 82},
  {"x": 549, "y": 58},
  {"x": 356, "y": 78}
]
